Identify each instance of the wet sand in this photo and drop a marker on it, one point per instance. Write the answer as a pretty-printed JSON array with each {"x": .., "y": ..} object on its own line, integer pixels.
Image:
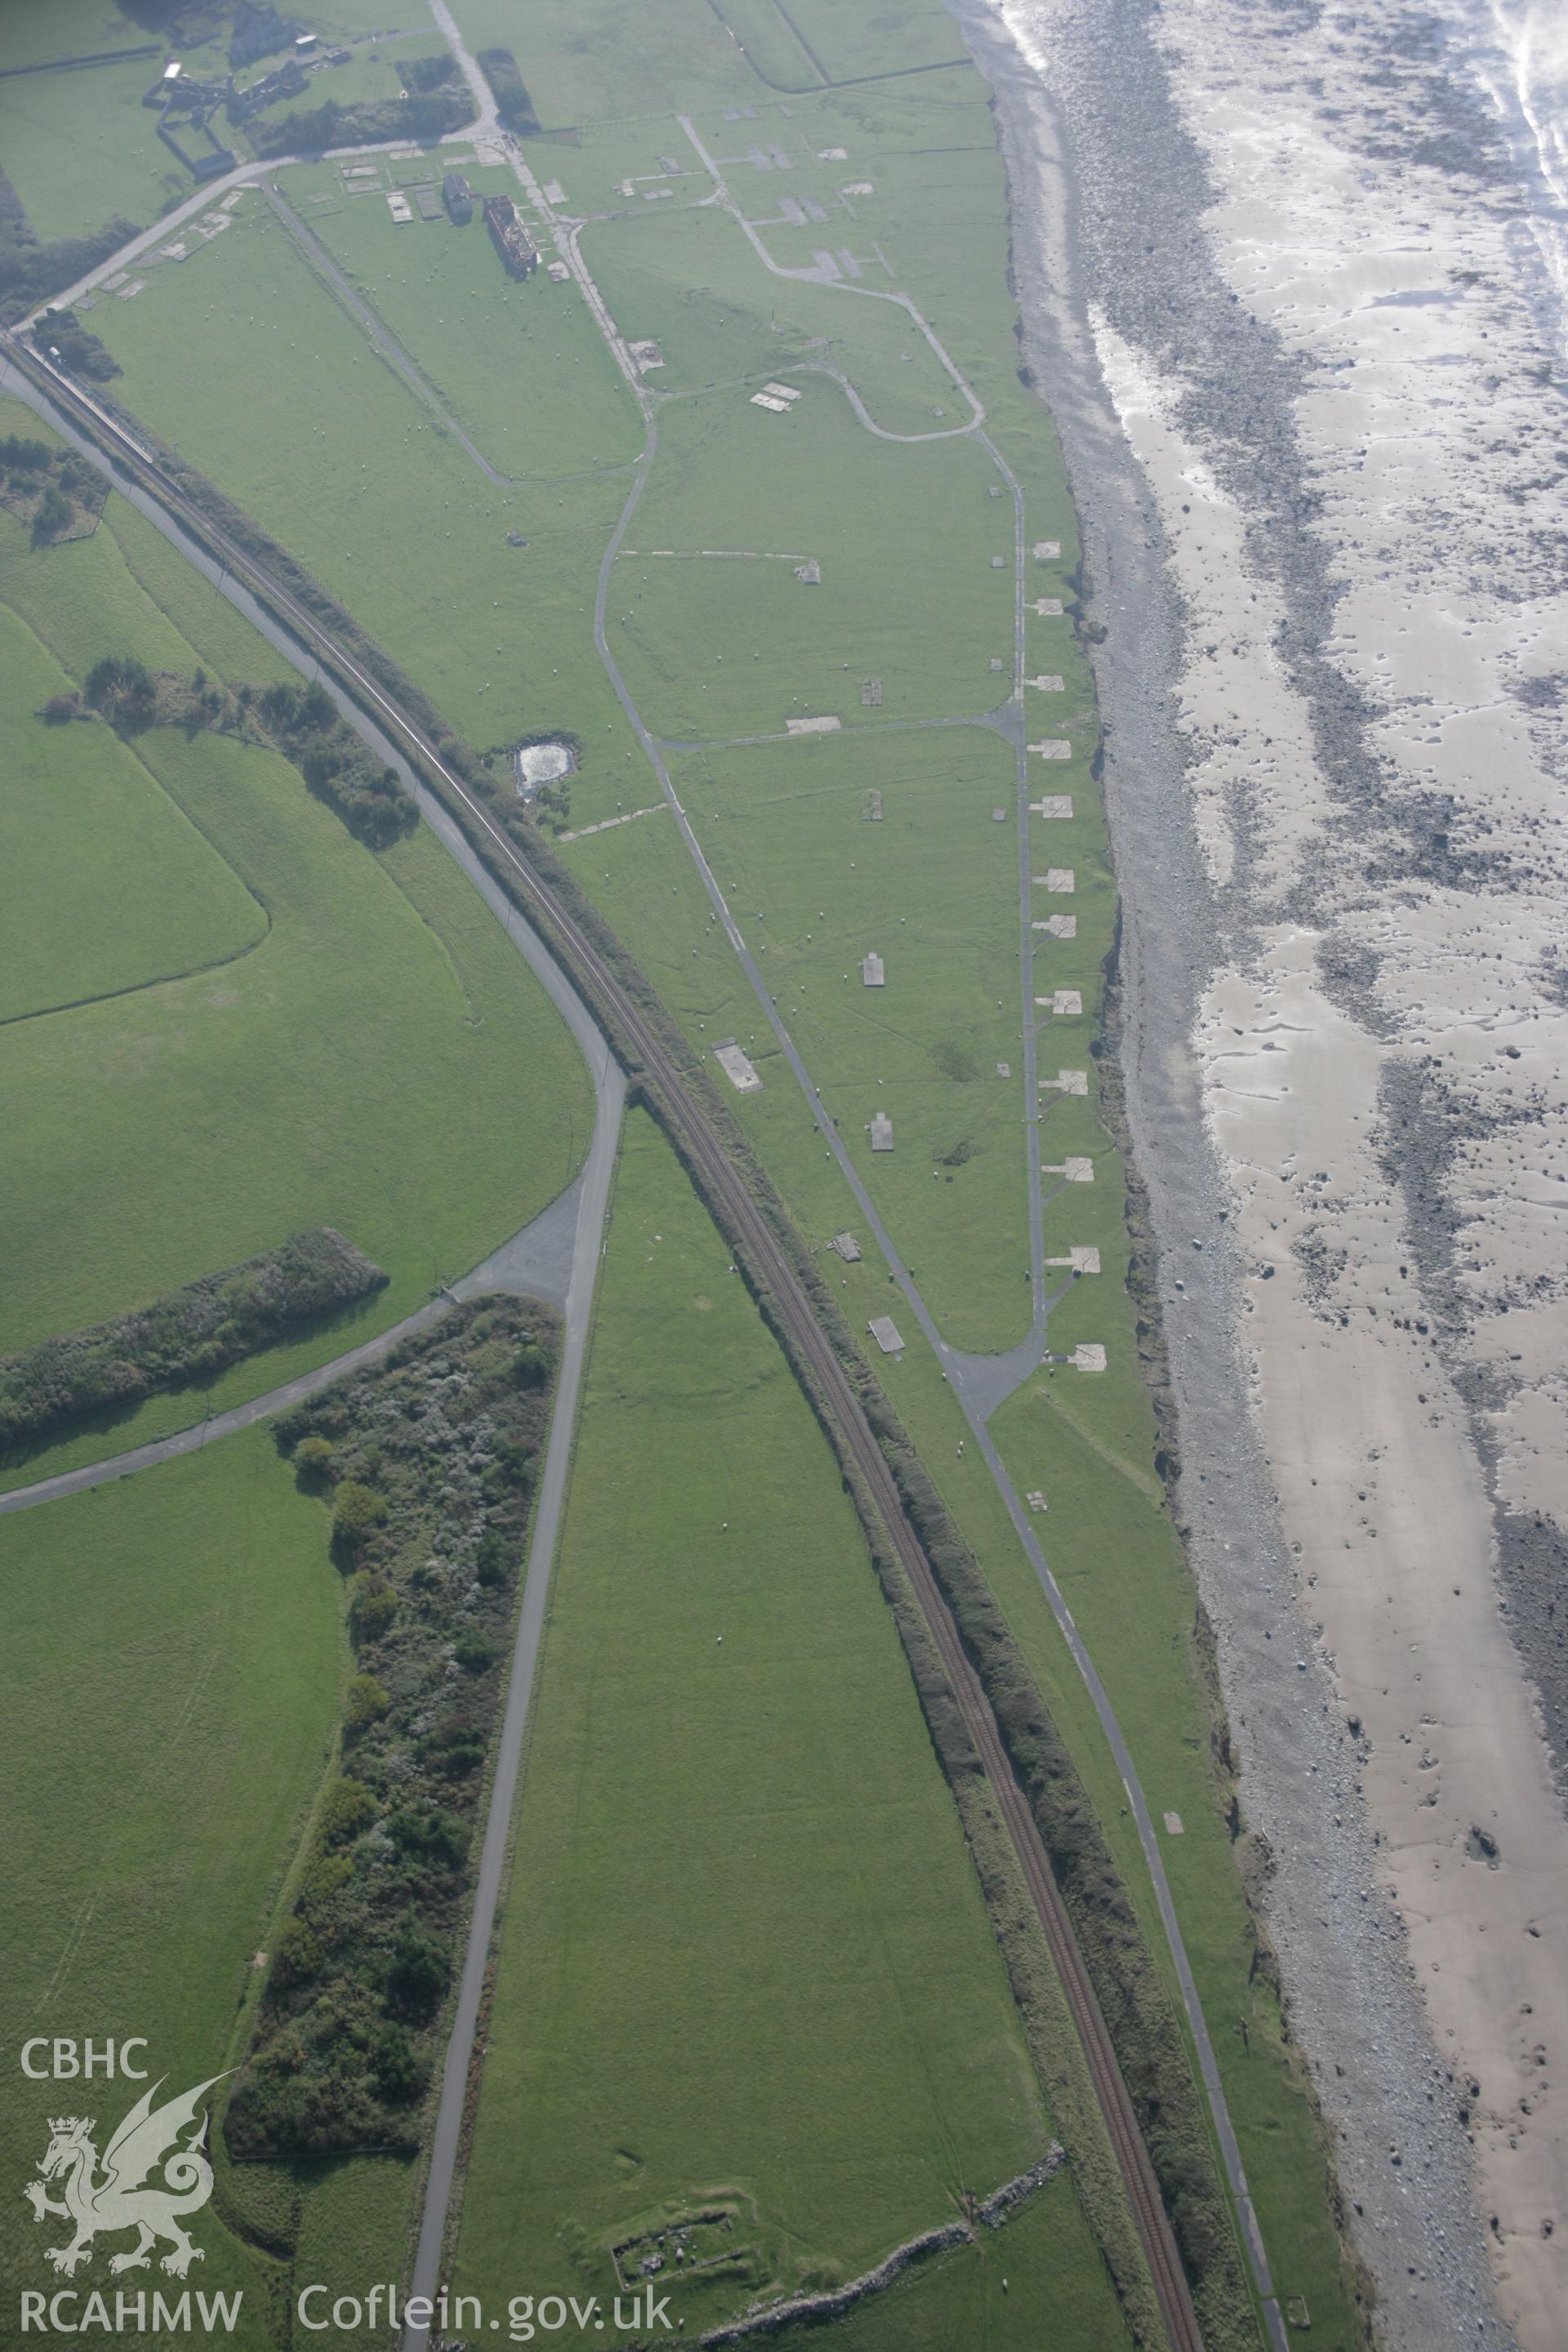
[{"x": 1300, "y": 388}]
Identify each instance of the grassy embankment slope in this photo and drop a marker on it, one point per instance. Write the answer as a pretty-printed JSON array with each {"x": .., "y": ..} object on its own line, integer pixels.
[
  {"x": 319, "y": 1078},
  {"x": 172, "y": 1659},
  {"x": 745, "y": 1959}
]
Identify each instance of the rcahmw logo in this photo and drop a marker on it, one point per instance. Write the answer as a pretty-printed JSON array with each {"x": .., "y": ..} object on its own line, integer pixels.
[{"x": 152, "y": 2175}]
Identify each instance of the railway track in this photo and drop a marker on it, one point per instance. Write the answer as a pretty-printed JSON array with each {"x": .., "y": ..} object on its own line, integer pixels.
[{"x": 602, "y": 988}]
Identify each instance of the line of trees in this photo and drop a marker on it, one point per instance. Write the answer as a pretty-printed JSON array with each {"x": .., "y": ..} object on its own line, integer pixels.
[
  {"x": 369, "y": 796},
  {"x": 188, "y": 1335}
]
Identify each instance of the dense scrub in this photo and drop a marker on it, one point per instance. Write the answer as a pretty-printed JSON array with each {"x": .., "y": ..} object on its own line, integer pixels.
[
  {"x": 60, "y": 335},
  {"x": 426, "y": 115},
  {"x": 422, "y": 75},
  {"x": 513, "y": 103},
  {"x": 32, "y": 268},
  {"x": 191, "y": 1335},
  {"x": 334, "y": 761},
  {"x": 302, "y": 722},
  {"x": 58, "y": 493},
  {"x": 428, "y": 1465}
]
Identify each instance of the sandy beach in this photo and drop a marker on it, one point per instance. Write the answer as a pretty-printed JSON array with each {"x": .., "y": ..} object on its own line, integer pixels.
[{"x": 1283, "y": 285}]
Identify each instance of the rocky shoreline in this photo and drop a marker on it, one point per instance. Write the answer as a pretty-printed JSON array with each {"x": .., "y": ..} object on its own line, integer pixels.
[{"x": 1108, "y": 196}]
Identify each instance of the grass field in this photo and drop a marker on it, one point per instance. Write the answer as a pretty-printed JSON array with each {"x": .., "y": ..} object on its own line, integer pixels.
[
  {"x": 320, "y": 1080},
  {"x": 172, "y": 1657},
  {"x": 934, "y": 889},
  {"x": 744, "y": 1951},
  {"x": 70, "y": 187},
  {"x": 204, "y": 618},
  {"x": 342, "y": 462},
  {"x": 403, "y": 526},
  {"x": 501, "y": 356},
  {"x": 773, "y": 49},
  {"x": 855, "y": 42},
  {"x": 1091, "y": 1440},
  {"x": 904, "y": 539},
  {"x": 105, "y": 885},
  {"x": 79, "y": 145},
  {"x": 1036, "y": 2281},
  {"x": 686, "y": 277},
  {"x": 1087, "y": 1440},
  {"x": 584, "y": 60}
]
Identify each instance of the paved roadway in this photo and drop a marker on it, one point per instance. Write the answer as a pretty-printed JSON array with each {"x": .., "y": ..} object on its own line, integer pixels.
[{"x": 536, "y": 1263}]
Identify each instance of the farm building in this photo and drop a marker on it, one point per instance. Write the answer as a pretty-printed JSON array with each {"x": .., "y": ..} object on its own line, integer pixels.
[
  {"x": 457, "y": 197},
  {"x": 520, "y": 254}
]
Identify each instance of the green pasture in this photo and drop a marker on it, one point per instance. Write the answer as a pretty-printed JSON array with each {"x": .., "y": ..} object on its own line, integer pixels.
[
  {"x": 370, "y": 77},
  {"x": 172, "y": 1657},
  {"x": 247, "y": 365},
  {"x": 521, "y": 367},
  {"x": 936, "y": 210},
  {"x": 322, "y": 1078},
  {"x": 1088, "y": 1442},
  {"x": 347, "y": 19},
  {"x": 934, "y": 889},
  {"x": 78, "y": 145},
  {"x": 260, "y": 378},
  {"x": 591, "y": 60},
  {"x": 1086, "y": 1439},
  {"x": 1036, "y": 2281},
  {"x": 904, "y": 538},
  {"x": 744, "y": 1953},
  {"x": 772, "y": 48},
  {"x": 688, "y": 277},
  {"x": 889, "y": 36},
  {"x": 105, "y": 885},
  {"x": 67, "y": 28},
  {"x": 72, "y": 177},
  {"x": 671, "y": 274},
  {"x": 223, "y": 638}
]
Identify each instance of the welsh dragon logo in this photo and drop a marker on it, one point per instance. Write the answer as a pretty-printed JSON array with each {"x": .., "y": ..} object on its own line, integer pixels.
[{"x": 113, "y": 2199}]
